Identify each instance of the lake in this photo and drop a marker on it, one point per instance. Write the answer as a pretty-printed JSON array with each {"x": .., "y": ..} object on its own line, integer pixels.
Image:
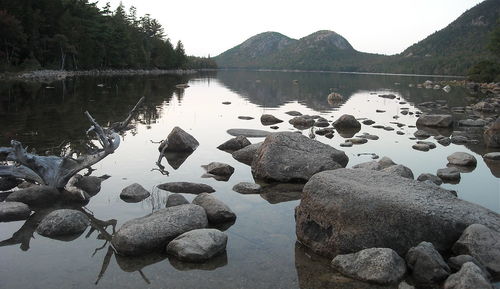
[{"x": 262, "y": 251}]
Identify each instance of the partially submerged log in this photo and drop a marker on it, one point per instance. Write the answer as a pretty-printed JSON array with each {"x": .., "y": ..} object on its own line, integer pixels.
[{"x": 57, "y": 171}]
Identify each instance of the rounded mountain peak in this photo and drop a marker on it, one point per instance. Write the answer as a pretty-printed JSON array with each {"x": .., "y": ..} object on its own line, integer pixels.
[{"x": 329, "y": 37}]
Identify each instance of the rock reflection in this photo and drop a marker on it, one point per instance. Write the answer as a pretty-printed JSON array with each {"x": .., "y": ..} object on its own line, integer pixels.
[
  {"x": 279, "y": 193},
  {"x": 175, "y": 160},
  {"x": 462, "y": 169},
  {"x": 314, "y": 272},
  {"x": 348, "y": 132},
  {"x": 210, "y": 265}
]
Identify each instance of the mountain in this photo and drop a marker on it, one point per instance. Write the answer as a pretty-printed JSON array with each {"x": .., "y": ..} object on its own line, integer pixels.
[{"x": 452, "y": 50}]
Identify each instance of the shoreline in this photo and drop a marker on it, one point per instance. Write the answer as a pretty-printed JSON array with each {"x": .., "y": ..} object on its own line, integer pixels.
[{"x": 53, "y": 75}]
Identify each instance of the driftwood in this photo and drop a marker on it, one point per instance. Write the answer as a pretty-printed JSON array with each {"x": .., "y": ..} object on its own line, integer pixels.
[{"x": 57, "y": 171}]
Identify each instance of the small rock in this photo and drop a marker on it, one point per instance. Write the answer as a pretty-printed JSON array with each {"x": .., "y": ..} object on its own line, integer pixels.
[
  {"x": 376, "y": 265},
  {"x": 219, "y": 169},
  {"x": 226, "y": 102},
  {"x": 444, "y": 141},
  {"x": 457, "y": 262},
  {"x": 346, "y": 144},
  {"x": 198, "y": 245},
  {"x": 248, "y": 132},
  {"x": 431, "y": 145},
  {"x": 462, "y": 159},
  {"x": 380, "y": 111},
  {"x": 13, "y": 211},
  {"x": 426, "y": 264},
  {"x": 244, "y": 117},
  {"x": 472, "y": 122},
  {"x": 368, "y": 122},
  {"x": 400, "y": 132},
  {"x": 459, "y": 139},
  {"x": 247, "y": 188},
  {"x": 448, "y": 174},
  {"x": 217, "y": 211},
  {"x": 435, "y": 120},
  {"x": 389, "y": 96},
  {"x": 293, "y": 113},
  {"x": 89, "y": 184},
  {"x": 63, "y": 222},
  {"x": 399, "y": 170},
  {"x": 235, "y": 144},
  {"x": 470, "y": 276},
  {"x": 388, "y": 128},
  {"x": 268, "y": 119},
  {"x": 357, "y": 140},
  {"x": 134, "y": 193},
  {"x": 186, "y": 187},
  {"x": 176, "y": 200},
  {"x": 494, "y": 156},
  {"x": 421, "y": 147},
  {"x": 303, "y": 121},
  {"x": 422, "y": 134},
  {"x": 430, "y": 177}
]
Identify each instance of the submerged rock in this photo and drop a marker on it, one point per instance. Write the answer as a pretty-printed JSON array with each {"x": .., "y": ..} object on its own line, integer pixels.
[
  {"x": 235, "y": 144},
  {"x": 13, "y": 211},
  {"x": 217, "y": 211},
  {"x": 289, "y": 156},
  {"x": 376, "y": 265},
  {"x": 134, "y": 193},
  {"x": 426, "y": 264},
  {"x": 63, "y": 222},
  {"x": 407, "y": 211},
  {"x": 179, "y": 141},
  {"x": 154, "y": 231},
  {"x": 198, "y": 245},
  {"x": 186, "y": 188}
]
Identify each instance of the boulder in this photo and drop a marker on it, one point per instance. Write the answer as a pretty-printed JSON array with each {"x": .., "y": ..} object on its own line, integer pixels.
[
  {"x": 235, "y": 144},
  {"x": 63, "y": 222},
  {"x": 13, "y": 211},
  {"x": 268, "y": 119},
  {"x": 35, "y": 196},
  {"x": 399, "y": 170},
  {"x": 217, "y": 211},
  {"x": 345, "y": 210},
  {"x": 248, "y": 132},
  {"x": 134, "y": 193},
  {"x": 289, "y": 156},
  {"x": 492, "y": 134},
  {"x": 198, "y": 245},
  {"x": 435, "y": 120},
  {"x": 421, "y": 147},
  {"x": 8, "y": 183},
  {"x": 448, "y": 174},
  {"x": 176, "y": 200},
  {"x": 375, "y": 265},
  {"x": 430, "y": 177},
  {"x": 247, "y": 188},
  {"x": 154, "y": 231},
  {"x": 482, "y": 243},
  {"x": 455, "y": 263},
  {"x": 90, "y": 184},
  {"x": 347, "y": 121},
  {"x": 426, "y": 264},
  {"x": 470, "y": 276},
  {"x": 247, "y": 154},
  {"x": 219, "y": 169},
  {"x": 186, "y": 188},
  {"x": 462, "y": 159},
  {"x": 179, "y": 141}
]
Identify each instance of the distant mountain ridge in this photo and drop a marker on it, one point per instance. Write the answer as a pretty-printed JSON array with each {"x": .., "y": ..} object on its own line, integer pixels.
[{"x": 452, "y": 50}]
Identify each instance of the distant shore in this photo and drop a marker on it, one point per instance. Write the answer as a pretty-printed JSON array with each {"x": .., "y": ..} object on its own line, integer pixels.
[{"x": 51, "y": 75}]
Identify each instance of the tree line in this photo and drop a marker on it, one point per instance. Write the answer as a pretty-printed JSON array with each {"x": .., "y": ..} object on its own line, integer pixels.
[{"x": 78, "y": 35}]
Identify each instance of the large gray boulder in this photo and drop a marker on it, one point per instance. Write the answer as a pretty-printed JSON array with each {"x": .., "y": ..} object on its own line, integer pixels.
[
  {"x": 376, "y": 265},
  {"x": 482, "y": 243},
  {"x": 134, "y": 193},
  {"x": 235, "y": 144},
  {"x": 470, "y": 276},
  {"x": 154, "y": 231},
  {"x": 426, "y": 264},
  {"x": 179, "y": 141},
  {"x": 63, "y": 222},
  {"x": 35, "y": 196},
  {"x": 289, "y": 156},
  {"x": 345, "y": 210},
  {"x": 13, "y": 211},
  {"x": 217, "y": 211},
  {"x": 247, "y": 154},
  {"x": 435, "y": 120},
  {"x": 186, "y": 188},
  {"x": 198, "y": 245}
]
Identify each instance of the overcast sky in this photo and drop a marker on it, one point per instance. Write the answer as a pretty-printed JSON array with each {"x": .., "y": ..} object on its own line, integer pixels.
[{"x": 382, "y": 26}]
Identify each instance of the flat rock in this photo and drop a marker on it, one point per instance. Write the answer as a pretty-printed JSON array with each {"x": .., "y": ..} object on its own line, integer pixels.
[
  {"x": 421, "y": 147},
  {"x": 13, "y": 211},
  {"x": 35, "y": 196},
  {"x": 198, "y": 245},
  {"x": 427, "y": 266},
  {"x": 179, "y": 141},
  {"x": 247, "y": 188},
  {"x": 244, "y": 117},
  {"x": 186, "y": 188},
  {"x": 235, "y": 144},
  {"x": 154, "y": 231},
  {"x": 375, "y": 265},
  {"x": 358, "y": 140},
  {"x": 462, "y": 159},
  {"x": 470, "y": 276},
  {"x": 494, "y": 156},
  {"x": 482, "y": 243},
  {"x": 246, "y": 154},
  {"x": 294, "y": 113},
  {"x": 268, "y": 119},
  {"x": 63, "y": 222},
  {"x": 217, "y": 211},
  {"x": 368, "y": 122},
  {"x": 435, "y": 120},
  {"x": 248, "y": 132},
  {"x": 407, "y": 211},
  {"x": 134, "y": 193},
  {"x": 288, "y": 156},
  {"x": 176, "y": 200},
  {"x": 472, "y": 122}
]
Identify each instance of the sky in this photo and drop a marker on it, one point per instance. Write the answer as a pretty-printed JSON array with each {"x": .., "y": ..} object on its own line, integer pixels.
[{"x": 209, "y": 27}]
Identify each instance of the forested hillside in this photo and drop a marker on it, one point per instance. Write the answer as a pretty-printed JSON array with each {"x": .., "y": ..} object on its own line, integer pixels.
[{"x": 77, "y": 34}]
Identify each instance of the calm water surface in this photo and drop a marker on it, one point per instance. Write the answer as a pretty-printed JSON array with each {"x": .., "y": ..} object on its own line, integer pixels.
[{"x": 262, "y": 250}]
